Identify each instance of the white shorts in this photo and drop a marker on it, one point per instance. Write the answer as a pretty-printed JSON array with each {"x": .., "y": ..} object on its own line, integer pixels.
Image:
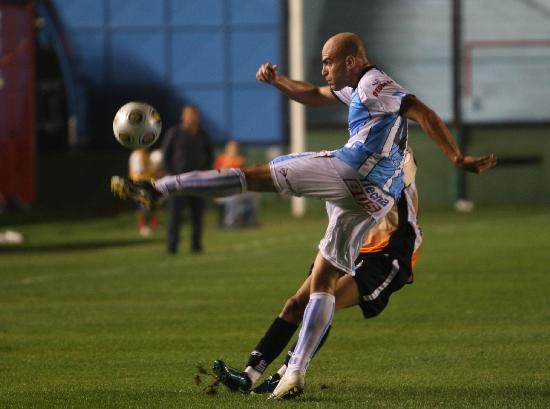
[{"x": 353, "y": 205}]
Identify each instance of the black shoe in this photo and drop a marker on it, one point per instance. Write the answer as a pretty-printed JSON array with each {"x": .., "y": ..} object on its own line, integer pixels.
[
  {"x": 233, "y": 379},
  {"x": 142, "y": 192},
  {"x": 269, "y": 385}
]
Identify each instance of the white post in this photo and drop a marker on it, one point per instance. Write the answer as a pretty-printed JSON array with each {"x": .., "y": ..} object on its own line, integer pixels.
[{"x": 297, "y": 110}]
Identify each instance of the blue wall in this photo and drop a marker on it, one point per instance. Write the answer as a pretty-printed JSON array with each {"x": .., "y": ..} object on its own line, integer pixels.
[{"x": 171, "y": 52}]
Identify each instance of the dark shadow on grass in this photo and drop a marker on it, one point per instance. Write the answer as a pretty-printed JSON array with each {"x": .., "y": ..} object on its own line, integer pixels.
[
  {"x": 77, "y": 246},
  {"x": 21, "y": 218}
]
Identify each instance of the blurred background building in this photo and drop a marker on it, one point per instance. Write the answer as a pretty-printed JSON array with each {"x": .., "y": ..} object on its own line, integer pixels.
[{"x": 67, "y": 65}]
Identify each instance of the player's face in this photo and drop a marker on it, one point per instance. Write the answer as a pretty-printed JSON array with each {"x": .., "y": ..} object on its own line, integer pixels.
[{"x": 334, "y": 68}]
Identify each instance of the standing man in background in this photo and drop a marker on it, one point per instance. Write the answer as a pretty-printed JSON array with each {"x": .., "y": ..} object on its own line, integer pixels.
[{"x": 186, "y": 147}]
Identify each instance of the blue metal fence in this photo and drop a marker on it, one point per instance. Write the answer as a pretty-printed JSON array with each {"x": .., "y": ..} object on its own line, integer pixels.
[{"x": 171, "y": 52}]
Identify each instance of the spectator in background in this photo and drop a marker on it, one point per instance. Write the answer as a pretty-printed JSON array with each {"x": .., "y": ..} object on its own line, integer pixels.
[
  {"x": 238, "y": 210},
  {"x": 231, "y": 157},
  {"x": 186, "y": 147},
  {"x": 141, "y": 168}
]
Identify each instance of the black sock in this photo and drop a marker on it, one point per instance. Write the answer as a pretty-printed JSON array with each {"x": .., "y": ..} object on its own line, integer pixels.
[
  {"x": 289, "y": 355},
  {"x": 272, "y": 344}
]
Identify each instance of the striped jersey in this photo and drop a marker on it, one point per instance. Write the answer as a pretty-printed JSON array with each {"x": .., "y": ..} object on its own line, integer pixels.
[{"x": 378, "y": 132}]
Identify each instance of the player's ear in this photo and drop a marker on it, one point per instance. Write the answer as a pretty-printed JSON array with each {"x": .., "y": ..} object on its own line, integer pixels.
[{"x": 350, "y": 61}]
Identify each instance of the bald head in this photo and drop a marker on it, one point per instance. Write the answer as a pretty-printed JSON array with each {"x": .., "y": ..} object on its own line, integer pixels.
[
  {"x": 348, "y": 44},
  {"x": 344, "y": 60}
]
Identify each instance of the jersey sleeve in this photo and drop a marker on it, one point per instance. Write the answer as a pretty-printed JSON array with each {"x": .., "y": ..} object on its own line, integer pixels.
[
  {"x": 381, "y": 93},
  {"x": 344, "y": 95}
]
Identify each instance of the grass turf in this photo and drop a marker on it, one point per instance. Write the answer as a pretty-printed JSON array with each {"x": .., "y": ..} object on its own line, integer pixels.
[{"x": 93, "y": 316}]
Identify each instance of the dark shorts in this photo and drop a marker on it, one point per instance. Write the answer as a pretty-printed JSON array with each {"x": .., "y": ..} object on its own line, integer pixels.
[{"x": 378, "y": 275}]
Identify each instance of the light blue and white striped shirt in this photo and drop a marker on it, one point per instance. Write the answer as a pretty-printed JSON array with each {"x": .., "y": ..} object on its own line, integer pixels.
[{"x": 378, "y": 132}]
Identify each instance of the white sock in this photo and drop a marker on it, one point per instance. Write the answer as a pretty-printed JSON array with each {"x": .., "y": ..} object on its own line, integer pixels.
[
  {"x": 281, "y": 371},
  {"x": 253, "y": 375},
  {"x": 210, "y": 183},
  {"x": 317, "y": 318}
]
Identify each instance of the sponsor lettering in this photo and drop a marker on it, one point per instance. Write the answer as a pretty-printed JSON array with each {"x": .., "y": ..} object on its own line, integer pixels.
[
  {"x": 380, "y": 87},
  {"x": 368, "y": 196}
]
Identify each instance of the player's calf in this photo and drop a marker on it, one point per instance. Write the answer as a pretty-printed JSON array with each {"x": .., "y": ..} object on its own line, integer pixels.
[{"x": 208, "y": 183}]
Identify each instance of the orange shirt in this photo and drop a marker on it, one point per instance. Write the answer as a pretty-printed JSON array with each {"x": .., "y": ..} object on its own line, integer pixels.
[{"x": 225, "y": 161}]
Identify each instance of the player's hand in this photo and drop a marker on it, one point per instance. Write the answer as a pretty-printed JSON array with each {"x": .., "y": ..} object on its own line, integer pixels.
[
  {"x": 476, "y": 164},
  {"x": 267, "y": 73}
]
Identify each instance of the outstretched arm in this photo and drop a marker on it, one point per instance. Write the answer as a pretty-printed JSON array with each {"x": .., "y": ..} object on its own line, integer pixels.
[
  {"x": 300, "y": 91},
  {"x": 436, "y": 129}
]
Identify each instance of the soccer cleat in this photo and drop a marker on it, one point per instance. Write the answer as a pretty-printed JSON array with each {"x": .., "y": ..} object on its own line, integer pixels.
[
  {"x": 233, "y": 379},
  {"x": 142, "y": 192},
  {"x": 290, "y": 386},
  {"x": 268, "y": 385}
]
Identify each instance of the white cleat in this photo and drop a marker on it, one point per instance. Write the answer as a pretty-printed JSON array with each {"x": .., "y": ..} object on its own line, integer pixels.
[{"x": 290, "y": 386}]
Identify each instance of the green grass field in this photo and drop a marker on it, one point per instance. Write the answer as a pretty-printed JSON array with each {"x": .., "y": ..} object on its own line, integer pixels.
[{"x": 92, "y": 316}]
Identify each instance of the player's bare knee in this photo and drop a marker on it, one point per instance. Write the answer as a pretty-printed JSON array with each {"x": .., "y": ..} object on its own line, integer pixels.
[
  {"x": 293, "y": 310},
  {"x": 258, "y": 178}
]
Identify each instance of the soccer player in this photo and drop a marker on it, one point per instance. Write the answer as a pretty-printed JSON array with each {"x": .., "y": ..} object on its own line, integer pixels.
[
  {"x": 384, "y": 266},
  {"x": 360, "y": 181},
  {"x": 140, "y": 168}
]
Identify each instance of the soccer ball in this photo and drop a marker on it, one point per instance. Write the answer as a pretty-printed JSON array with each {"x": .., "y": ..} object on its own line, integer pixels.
[{"x": 137, "y": 125}]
